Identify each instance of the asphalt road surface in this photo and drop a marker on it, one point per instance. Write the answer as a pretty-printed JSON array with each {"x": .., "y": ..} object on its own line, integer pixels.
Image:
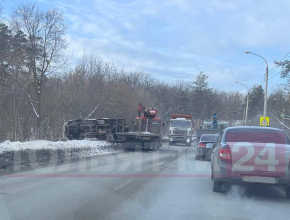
[{"x": 169, "y": 184}]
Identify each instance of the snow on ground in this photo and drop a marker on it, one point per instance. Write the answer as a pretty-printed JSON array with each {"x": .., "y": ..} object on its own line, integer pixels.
[{"x": 95, "y": 147}]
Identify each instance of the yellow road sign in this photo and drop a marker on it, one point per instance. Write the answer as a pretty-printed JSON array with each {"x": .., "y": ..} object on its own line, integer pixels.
[{"x": 265, "y": 121}]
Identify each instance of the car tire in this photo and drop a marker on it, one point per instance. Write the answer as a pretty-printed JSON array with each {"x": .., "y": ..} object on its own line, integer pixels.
[
  {"x": 217, "y": 186},
  {"x": 199, "y": 157},
  {"x": 287, "y": 189}
]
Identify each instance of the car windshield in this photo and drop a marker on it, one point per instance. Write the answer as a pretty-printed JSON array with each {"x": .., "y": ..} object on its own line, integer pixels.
[
  {"x": 257, "y": 136},
  {"x": 180, "y": 123},
  {"x": 209, "y": 138}
]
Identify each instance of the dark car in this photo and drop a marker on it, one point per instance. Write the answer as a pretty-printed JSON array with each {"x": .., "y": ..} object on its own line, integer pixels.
[
  {"x": 205, "y": 146},
  {"x": 251, "y": 155}
]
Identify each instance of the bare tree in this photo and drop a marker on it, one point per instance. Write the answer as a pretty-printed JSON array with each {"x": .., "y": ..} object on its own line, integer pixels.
[{"x": 46, "y": 43}]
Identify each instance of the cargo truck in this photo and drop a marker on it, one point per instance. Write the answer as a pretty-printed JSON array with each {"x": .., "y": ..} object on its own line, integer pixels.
[{"x": 180, "y": 129}]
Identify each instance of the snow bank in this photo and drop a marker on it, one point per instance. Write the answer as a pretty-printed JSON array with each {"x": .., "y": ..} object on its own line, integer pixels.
[
  {"x": 22, "y": 154},
  {"x": 97, "y": 147}
]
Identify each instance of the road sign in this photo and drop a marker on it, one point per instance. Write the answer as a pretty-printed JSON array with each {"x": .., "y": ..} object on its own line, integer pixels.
[{"x": 265, "y": 121}]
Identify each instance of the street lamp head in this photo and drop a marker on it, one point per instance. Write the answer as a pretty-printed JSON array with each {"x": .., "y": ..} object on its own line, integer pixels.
[{"x": 247, "y": 52}]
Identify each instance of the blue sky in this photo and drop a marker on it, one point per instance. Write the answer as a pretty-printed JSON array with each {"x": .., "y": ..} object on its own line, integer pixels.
[{"x": 176, "y": 39}]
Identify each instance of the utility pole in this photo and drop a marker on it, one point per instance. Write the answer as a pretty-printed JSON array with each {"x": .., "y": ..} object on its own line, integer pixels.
[
  {"x": 283, "y": 115},
  {"x": 247, "y": 105},
  {"x": 266, "y": 92},
  {"x": 266, "y": 82},
  {"x": 244, "y": 117}
]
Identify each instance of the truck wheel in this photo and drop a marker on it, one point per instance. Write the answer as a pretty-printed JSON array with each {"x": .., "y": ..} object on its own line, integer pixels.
[
  {"x": 154, "y": 147},
  {"x": 217, "y": 186},
  {"x": 287, "y": 189},
  {"x": 156, "y": 144}
]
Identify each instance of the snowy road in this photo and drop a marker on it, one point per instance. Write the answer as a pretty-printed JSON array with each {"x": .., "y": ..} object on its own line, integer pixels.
[{"x": 168, "y": 184}]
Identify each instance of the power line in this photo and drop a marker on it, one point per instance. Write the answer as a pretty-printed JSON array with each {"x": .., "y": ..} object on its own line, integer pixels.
[
  {"x": 275, "y": 75},
  {"x": 262, "y": 80},
  {"x": 275, "y": 83},
  {"x": 278, "y": 72},
  {"x": 274, "y": 69}
]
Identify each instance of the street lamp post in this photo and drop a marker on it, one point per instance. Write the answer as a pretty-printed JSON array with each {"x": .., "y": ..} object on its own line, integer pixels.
[
  {"x": 247, "y": 105},
  {"x": 266, "y": 82}
]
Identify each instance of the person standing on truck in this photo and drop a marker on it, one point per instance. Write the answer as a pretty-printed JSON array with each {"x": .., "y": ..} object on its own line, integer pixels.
[
  {"x": 140, "y": 109},
  {"x": 214, "y": 121}
]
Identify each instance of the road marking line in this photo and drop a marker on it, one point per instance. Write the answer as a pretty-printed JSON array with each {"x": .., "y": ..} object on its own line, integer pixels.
[
  {"x": 173, "y": 155},
  {"x": 186, "y": 147},
  {"x": 161, "y": 163},
  {"x": 123, "y": 184}
]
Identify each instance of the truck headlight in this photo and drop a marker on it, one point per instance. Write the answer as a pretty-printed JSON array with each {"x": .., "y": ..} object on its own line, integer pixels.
[
  {"x": 188, "y": 140},
  {"x": 171, "y": 139}
]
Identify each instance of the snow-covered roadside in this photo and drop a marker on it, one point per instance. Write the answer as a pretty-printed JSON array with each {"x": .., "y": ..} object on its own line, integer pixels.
[
  {"x": 96, "y": 147},
  {"x": 22, "y": 154}
]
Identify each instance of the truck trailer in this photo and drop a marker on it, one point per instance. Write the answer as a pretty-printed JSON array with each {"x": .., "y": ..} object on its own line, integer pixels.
[{"x": 211, "y": 127}]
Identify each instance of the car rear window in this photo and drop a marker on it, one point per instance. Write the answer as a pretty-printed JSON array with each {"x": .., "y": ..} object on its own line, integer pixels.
[
  {"x": 257, "y": 135},
  {"x": 209, "y": 138}
]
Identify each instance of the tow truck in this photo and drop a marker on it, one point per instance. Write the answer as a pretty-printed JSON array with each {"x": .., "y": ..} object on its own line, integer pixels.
[{"x": 146, "y": 134}]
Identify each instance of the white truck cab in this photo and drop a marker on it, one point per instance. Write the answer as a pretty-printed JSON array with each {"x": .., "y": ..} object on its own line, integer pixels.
[{"x": 181, "y": 130}]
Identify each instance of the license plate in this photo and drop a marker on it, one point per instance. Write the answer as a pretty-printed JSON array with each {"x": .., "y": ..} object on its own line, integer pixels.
[{"x": 259, "y": 179}]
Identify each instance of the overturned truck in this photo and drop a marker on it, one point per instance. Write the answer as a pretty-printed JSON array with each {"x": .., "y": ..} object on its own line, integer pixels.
[{"x": 101, "y": 128}]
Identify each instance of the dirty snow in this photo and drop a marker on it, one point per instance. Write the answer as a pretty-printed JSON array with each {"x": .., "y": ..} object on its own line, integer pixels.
[{"x": 96, "y": 147}]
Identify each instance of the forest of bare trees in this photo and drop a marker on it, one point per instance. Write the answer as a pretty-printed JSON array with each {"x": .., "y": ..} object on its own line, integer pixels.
[{"x": 39, "y": 91}]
